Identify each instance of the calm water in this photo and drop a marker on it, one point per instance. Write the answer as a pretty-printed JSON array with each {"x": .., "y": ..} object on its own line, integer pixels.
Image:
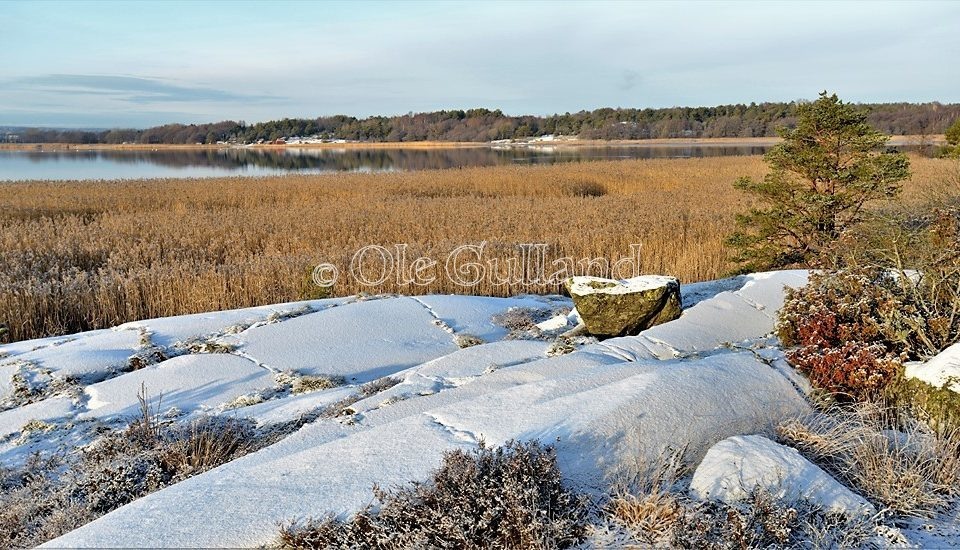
[{"x": 75, "y": 165}]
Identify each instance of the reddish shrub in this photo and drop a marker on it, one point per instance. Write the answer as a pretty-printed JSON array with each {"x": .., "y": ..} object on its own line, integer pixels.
[
  {"x": 854, "y": 370},
  {"x": 847, "y": 329}
]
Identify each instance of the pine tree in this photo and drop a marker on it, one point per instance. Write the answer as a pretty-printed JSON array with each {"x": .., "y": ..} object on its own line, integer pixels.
[
  {"x": 823, "y": 174},
  {"x": 953, "y": 140}
]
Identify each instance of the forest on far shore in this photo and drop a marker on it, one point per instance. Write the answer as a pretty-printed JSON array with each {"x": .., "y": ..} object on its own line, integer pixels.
[{"x": 481, "y": 125}]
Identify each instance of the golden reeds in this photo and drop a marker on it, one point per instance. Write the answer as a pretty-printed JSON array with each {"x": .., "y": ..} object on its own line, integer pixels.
[{"x": 81, "y": 255}]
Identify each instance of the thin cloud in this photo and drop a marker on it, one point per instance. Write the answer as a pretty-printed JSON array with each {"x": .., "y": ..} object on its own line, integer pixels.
[
  {"x": 132, "y": 89},
  {"x": 629, "y": 80}
]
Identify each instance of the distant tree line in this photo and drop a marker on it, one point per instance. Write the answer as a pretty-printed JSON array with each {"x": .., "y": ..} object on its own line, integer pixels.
[{"x": 753, "y": 120}]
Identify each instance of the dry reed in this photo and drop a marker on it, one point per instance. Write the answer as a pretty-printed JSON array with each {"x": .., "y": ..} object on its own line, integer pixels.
[{"x": 83, "y": 255}]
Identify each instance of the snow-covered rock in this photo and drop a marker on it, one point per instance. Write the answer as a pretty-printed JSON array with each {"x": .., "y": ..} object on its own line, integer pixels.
[
  {"x": 474, "y": 314},
  {"x": 361, "y": 342},
  {"x": 737, "y": 465},
  {"x": 942, "y": 370},
  {"x": 167, "y": 331},
  {"x": 48, "y": 410},
  {"x": 187, "y": 383},
  {"x": 90, "y": 358},
  {"x": 602, "y": 415},
  {"x": 615, "y": 308},
  {"x": 25, "y": 346},
  {"x": 604, "y": 406},
  {"x": 458, "y": 368}
]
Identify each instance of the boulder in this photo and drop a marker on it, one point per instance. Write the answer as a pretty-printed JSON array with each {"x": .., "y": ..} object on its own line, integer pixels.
[
  {"x": 610, "y": 307},
  {"x": 737, "y": 465}
]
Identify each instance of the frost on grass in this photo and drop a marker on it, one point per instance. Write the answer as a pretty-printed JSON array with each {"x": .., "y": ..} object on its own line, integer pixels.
[
  {"x": 278, "y": 316},
  {"x": 306, "y": 383},
  {"x": 50, "y": 496},
  {"x": 379, "y": 385},
  {"x": 287, "y": 383},
  {"x": 652, "y": 509},
  {"x": 246, "y": 400},
  {"x": 521, "y": 322},
  {"x": 341, "y": 410},
  {"x": 467, "y": 340},
  {"x": 508, "y": 497},
  {"x": 30, "y": 384},
  {"x": 898, "y": 463},
  {"x": 765, "y": 522},
  {"x": 394, "y": 399},
  {"x": 37, "y": 426},
  {"x": 514, "y": 497},
  {"x": 343, "y": 407},
  {"x": 147, "y": 353},
  {"x": 209, "y": 345},
  {"x": 561, "y": 346}
]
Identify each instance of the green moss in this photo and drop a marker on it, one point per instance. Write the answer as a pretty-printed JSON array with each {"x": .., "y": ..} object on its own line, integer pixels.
[
  {"x": 600, "y": 285},
  {"x": 939, "y": 407},
  {"x": 310, "y": 290}
]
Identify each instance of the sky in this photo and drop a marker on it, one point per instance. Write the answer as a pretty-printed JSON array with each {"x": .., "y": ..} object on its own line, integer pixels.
[{"x": 138, "y": 64}]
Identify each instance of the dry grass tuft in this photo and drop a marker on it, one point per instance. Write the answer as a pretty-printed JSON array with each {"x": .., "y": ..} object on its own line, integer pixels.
[
  {"x": 653, "y": 510},
  {"x": 305, "y": 384},
  {"x": 467, "y": 340},
  {"x": 899, "y": 463},
  {"x": 378, "y": 385},
  {"x": 652, "y": 515}
]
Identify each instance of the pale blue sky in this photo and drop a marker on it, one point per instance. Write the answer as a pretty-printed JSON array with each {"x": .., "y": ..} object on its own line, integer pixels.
[{"x": 102, "y": 64}]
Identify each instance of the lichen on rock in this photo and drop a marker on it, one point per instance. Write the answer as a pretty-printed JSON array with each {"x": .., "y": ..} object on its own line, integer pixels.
[{"x": 620, "y": 308}]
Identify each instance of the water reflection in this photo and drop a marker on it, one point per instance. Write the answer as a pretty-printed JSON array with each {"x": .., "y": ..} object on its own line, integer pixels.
[{"x": 118, "y": 164}]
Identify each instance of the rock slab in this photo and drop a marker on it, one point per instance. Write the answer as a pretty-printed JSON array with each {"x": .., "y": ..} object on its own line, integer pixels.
[
  {"x": 611, "y": 307},
  {"x": 734, "y": 467}
]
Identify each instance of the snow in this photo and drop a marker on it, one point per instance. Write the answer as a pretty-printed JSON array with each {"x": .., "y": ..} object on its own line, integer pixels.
[
  {"x": 729, "y": 317},
  {"x": 725, "y": 318},
  {"x": 472, "y": 314},
  {"x": 735, "y": 466},
  {"x": 188, "y": 383},
  {"x": 561, "y": 322},
  {"x": 603, "y": 419},
  {"x": 361, "y": 342},
  {"x": 766, "y": 290},
  {"x": 583, "y": 285},
  {"x": 292, "y": 407},
  {"x": 89, "y": 358},
  {"x": 456, "y": 369},
  {"x": 692, "y": 294},
  {"x": 6, "y": 378},
  {"x": 604, "y": 406},
  {"x": 942, "y": 370},
  {"x": 556, "y": 322},
  {"x": 600, "y": 412},
  {"x": 940, "y": 531},
  {"x": 48, "y": 410},
  {"x": 24, "y": 346},
  {"x": 171, "y": 330}
]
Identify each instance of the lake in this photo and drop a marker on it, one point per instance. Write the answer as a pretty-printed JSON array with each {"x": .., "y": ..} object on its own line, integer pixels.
[{"x": 239, "y": 161}]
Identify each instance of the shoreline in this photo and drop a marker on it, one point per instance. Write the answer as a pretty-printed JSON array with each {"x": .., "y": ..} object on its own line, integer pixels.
[{"x": 907, "y": 140}]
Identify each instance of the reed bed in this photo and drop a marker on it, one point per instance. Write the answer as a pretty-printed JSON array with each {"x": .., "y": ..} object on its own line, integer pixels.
[{"x": 83, "y": 255}]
